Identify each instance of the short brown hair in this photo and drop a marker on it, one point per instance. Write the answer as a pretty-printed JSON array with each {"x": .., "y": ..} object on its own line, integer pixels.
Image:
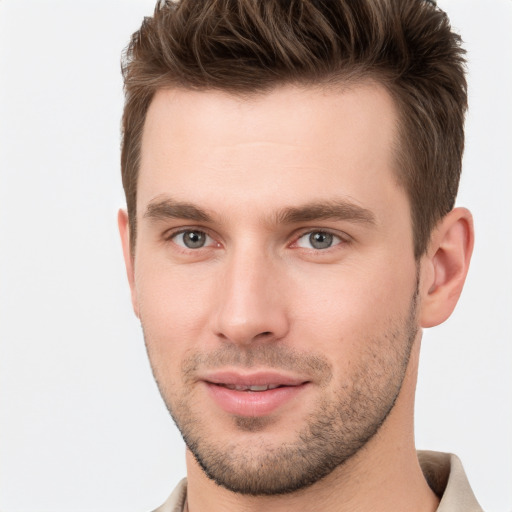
[{"x": 250, "y": 46}]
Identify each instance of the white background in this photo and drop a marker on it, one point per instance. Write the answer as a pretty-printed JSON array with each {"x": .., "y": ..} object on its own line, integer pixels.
[{"x": 82, "y": 427}]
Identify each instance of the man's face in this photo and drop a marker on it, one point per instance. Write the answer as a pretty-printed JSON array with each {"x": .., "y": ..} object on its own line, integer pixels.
[{"x": 274, "y": 277}]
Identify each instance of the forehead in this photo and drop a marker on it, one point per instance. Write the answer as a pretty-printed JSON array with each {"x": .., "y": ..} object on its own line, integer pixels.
[{"x": 281, "y": 146}]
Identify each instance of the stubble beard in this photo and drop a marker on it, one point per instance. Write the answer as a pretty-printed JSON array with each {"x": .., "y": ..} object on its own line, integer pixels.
[{"x": 331, "y": 434}]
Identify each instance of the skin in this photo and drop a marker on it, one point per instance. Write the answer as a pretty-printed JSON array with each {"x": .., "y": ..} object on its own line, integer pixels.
[{"x": 259, "y": 296}]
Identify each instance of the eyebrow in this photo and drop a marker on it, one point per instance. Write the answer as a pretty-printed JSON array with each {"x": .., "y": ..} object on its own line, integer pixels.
[
  {"x": 169, "y": 208},
  {"x": 329, "y": 210}
]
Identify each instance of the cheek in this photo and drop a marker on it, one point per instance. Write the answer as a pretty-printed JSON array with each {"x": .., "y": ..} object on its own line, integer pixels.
[
  {"x": 170, "y": 309},
  {"x": 346, "y": 306},
  {"x": 173, "y": 304}
]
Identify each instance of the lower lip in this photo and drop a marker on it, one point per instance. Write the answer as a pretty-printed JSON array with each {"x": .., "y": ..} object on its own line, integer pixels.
[{"x": 253, "y": 403}]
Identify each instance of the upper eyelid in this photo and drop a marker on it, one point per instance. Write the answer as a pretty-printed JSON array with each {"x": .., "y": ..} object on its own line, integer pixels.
[
  {"x": 172, "y": 232},
  {"x": 307, "y": 231},
  {"x": 169, "y": 237},
  {"x": 294, "y": 237}
]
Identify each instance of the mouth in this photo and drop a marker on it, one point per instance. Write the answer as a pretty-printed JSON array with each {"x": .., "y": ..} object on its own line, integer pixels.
[
  {"x": 254, "y": 395},
  {"x": 239, "y": 387}
]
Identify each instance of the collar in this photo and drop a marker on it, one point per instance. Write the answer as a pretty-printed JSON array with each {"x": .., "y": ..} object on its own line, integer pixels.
[{"x": 443, "y": 472}]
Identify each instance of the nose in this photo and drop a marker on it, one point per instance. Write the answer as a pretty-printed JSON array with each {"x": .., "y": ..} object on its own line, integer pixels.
[{"x": 251, "y": 300}]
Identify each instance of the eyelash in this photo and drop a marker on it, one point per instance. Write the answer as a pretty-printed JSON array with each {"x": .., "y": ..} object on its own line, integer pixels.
[
  {"x": 341, "y": 237},
  {"x": 170, "y": 235}
]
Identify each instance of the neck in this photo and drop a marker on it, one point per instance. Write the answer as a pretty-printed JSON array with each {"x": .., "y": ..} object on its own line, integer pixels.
[{"x": 384, "y": 475}]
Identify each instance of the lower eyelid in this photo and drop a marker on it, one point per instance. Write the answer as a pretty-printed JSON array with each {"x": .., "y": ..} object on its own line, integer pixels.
[
  {"x": 338, "y": 239},
  {"x": 210, "y": 241},
  {"x": 170, "y": 236}
]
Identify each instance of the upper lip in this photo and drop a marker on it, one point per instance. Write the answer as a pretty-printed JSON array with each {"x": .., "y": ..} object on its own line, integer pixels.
[{"x": 257, "y": 378}]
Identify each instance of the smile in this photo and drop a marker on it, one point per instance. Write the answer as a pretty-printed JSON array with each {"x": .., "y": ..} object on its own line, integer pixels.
[
  {"x": 254, "y": 395},
  {"x": 237, "y": 387}
]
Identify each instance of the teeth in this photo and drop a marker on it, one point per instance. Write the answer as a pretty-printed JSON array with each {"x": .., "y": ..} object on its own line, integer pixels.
[
  {"x": 258, "y": 388},
  {"x": 251, "y": 388}
]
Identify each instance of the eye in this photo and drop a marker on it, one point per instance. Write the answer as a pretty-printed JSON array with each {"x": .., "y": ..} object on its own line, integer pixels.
[
  {"x": 318, "y": 240},
  {"x": 192, "y": 239}
]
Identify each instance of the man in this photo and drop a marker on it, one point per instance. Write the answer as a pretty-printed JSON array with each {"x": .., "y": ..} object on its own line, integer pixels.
[{"x": 290, "y": 170}]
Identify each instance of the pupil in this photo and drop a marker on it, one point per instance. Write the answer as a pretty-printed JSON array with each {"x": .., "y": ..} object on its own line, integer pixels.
[
  {"x": 320, "y": 240},
  {"x": 194, "y": 239}
]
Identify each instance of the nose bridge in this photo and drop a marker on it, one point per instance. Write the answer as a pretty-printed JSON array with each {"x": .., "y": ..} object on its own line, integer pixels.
[{"x": 250, "y": 301}]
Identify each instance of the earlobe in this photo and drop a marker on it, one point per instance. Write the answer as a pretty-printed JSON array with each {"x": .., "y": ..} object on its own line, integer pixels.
[
  {"x": 124, "y": 231},
  {"x": 446, "y": 266}
]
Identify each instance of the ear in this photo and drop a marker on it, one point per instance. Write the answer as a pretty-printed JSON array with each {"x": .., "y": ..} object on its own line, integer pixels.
[
  {"x": 445, "y": 266},
  {"x": 124, "y": 231}
]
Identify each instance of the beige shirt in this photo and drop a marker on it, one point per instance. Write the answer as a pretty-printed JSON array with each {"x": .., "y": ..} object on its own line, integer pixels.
[{"x": 443, "y": 471}]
